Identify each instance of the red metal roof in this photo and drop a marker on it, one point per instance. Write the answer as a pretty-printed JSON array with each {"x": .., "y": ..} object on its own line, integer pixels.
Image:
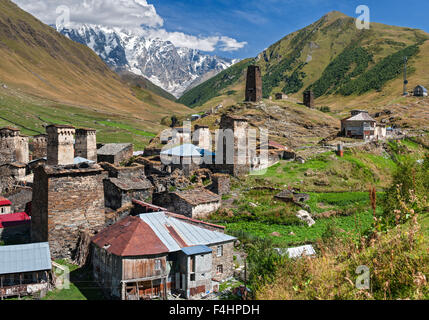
[
  {"x": 130, "y": 237},
  {"x": 13, "y": 219},
  {"x": 5, "y": 202}
]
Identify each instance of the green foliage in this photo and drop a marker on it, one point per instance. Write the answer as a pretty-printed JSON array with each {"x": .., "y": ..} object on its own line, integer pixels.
[
  {"x": 374, "y": 79},
  {"x": 407, "y": 194},
  {"x": 212, "y": 88},
  {"x": 263, "y": 262},
  {"x": 294, "y": 82},
  {"x": 339, "y": 72},
  {"x": 325, "y": 109}
]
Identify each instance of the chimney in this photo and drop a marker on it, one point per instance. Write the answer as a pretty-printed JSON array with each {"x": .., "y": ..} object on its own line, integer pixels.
[
  {"x": 60, "y": 144},
  {"x": 86, "y": 144}
]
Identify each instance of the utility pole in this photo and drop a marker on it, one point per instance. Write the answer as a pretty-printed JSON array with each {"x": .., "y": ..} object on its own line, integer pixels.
[{"x": 405, "y": 76}]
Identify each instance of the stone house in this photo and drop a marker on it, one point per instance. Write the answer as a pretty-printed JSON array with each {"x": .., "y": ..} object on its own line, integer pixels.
[
  {"x": 360, "y": 126},
  {"x": 5, "y": 205},
  {"x": 151, "y": 255},
  {"x": 281, "y": 96},
  {"x": 24, "y": 269},
  {"x": 118, "y": 192},
  {"x": 16, "y": 171},
  {"x": 194, "y": 203},
  {"x": 125, "y": 184},
  {"x": 115, "y": 153}
]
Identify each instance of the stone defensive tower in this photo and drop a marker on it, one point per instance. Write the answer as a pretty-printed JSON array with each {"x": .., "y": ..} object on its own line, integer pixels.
[
  {"x": 254, "y": 84},
  {"x": 202, "y": 137},
  {"x": 60, "y": 144},
  {"x": 13, "y": 146},
  {"x": 232, "y": 145},
  {"x": 67, "y": 200},
  {"x": 309, "y": 98},
  {"x": 39, "y": 146},
  {"x": 86, "y": 144}
]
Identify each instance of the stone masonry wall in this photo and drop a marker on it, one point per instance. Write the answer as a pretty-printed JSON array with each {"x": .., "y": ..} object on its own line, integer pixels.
[
  {"x": 65, "y": 204},
  {"x": 226, "y": 260}
]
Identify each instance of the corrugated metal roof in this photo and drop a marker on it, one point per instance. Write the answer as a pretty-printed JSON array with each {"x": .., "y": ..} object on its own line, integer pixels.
[
  {"x": 25, "y": 258},
  {"x": 186, "y": 150},
  {"x": 130, "y": 237},
  {"x": 190, "y": 251},
  {"x": 79, "y": 160},
  {"x": 297, "y": 252},
  {"x": 191, "y": 234},
  {"x": 363, "y": 116}
]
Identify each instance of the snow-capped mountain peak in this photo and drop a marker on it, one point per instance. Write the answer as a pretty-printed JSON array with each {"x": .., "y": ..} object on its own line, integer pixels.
[{"x": 172, "y": 68}]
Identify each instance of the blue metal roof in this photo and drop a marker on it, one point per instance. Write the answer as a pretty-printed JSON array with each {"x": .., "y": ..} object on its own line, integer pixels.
[
  {"x": 25, "y": 258},
  {"x": 186, "y": 150},
  {"x": 190, "y": 251},
  {"x": 79, "y": 160}
]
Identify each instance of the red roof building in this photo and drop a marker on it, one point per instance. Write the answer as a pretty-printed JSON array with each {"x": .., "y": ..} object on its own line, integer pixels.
[
  {"x": 4, "y": 202},
  {"x": 14, "y": 219},
  {"x": 130, "y": 237},
  {"x": 5, "y": 206}
]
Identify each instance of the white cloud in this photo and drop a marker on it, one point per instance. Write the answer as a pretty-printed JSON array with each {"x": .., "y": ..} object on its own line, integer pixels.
[
  {"x": 114, "y": 13},
  {"x": 209, "y": 44},
  {"x": 127, "y": 14}
]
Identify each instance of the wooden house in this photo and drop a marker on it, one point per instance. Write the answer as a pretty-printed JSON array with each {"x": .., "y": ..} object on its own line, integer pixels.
[{"x": 24, "y": 269}]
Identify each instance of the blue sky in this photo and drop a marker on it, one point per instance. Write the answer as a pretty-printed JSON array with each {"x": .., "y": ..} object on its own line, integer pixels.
[
  {"x": 228, "y": 28},
  {"x": 262, "y": 23}
]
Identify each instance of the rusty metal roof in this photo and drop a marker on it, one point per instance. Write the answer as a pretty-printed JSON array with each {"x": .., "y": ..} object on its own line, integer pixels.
[{"x": 130, "y": 237}]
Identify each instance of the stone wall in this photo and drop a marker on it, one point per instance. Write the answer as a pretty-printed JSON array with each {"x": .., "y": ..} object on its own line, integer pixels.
[
  {"x": 203, "y": 210},
  {"x": 220, "y": 184},
  {"x": 39, "y": 147},
  {"x": 20, "y": 197},
  {"x": 226, "y": 260},
  {"x": 86, "y": 144},
  {"x": 67, "y": 200}
]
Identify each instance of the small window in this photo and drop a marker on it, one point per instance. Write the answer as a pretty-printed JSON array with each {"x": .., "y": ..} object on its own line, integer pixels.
[
  {"x": 193, "y": 277},
  {"x": 158, "y": 264},
  {"x": 219, "y": 251},
  {"x": 219, "y": 269}
]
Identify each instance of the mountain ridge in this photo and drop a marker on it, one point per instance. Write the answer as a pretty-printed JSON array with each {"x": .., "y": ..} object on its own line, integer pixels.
[
  {"x": 298, "y": 60},
  {"x": 174, "y": 69}
]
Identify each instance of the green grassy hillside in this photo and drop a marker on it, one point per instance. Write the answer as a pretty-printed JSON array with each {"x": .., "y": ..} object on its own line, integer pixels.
[
  {"x": 331, "y": 57},
  {"x": 40, "y": 62}
]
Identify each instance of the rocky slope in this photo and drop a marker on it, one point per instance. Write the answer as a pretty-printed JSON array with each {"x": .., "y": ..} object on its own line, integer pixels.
[{"x": 167, "y": 66}]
